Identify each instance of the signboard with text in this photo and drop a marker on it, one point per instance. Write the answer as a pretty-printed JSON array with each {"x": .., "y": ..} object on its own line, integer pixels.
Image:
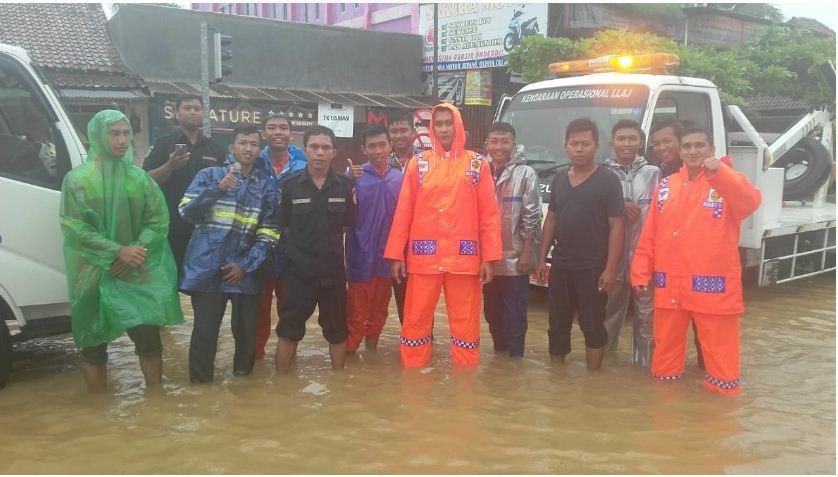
[{"x": 477, "y": 35}]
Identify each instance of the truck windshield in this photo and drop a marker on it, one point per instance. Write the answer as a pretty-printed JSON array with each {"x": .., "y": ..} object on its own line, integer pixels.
[{"x": 540, "y": 118}]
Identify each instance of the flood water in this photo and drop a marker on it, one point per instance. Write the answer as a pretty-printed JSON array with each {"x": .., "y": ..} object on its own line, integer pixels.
[{"x": 507, "y": 416}]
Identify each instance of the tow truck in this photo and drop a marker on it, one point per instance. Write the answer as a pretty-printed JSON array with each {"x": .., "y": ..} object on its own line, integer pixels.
[{"x": 790, "y": 236}]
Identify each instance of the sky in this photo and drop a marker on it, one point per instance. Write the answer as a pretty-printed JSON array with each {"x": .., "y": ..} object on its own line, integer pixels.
[{"x": 823, "y": 11}]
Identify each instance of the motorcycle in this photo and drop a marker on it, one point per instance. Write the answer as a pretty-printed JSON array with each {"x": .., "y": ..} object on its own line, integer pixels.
[{"x": 518, "y": 29}]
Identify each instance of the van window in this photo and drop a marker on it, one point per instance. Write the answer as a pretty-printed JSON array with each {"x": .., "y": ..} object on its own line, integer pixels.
[
  {"x": 689, "y": 107},
  {"x": 31, "y": 147}
]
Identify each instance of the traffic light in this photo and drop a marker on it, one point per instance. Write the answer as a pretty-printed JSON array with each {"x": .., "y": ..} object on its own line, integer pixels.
[{"x": 222, "y": 54}]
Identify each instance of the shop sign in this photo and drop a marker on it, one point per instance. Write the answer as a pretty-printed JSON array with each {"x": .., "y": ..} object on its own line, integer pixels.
[
  {"x": 479, "y": 87},
  {"x": 477, "y": 35},
  {"x": 339, "y": 117}
]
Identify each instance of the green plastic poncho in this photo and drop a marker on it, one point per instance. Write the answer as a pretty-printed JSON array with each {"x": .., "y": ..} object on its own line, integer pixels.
[{"x": 108, "y": 203}]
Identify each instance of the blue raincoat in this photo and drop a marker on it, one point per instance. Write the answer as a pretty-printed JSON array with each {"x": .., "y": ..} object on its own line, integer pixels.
[
  {"x": 377, "y": 197},
  {"x": 274, "y": 266},
  {"x": 236, "y": 226}
]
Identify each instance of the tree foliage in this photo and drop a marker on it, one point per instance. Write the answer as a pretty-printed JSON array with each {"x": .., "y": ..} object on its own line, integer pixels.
[
  {"x": 533, "y": 55},
  {"x": 621, "y": 42},
  {"x": 776, "y": 61}
]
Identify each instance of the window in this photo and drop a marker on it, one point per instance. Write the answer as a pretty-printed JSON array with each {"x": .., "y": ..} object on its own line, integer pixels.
[
  {"x": 317, "y": 12},
  {"x": 305, "y": 11},
  {"x": 541, "y": 117},
  {"x": 357, "y": 5},
  {"x": 690, "y": 107},
  {"x": 31, "y": 147},
  {"x": 343, "y": 8},
  {"x": 285, "y": 11},
  {"x": 252, "y": 9}
]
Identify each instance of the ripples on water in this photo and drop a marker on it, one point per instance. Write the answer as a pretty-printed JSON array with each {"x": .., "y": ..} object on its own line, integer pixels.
[{"x": 506, "y": 416}]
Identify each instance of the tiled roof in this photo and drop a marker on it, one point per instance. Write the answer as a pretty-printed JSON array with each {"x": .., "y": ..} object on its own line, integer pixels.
[
  {"x": 775, "y": 103},
  {"x": 812, "y": 25},
  {"x": 66, "y": 38}
]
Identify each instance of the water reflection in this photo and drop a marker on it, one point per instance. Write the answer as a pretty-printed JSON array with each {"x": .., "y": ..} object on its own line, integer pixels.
[{"x": 505, "y": 416}]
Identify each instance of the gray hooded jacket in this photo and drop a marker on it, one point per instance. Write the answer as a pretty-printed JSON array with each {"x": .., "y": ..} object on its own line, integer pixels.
[
  {"x": 638, "y": 183},
  {"x": 520, "y": 213}
]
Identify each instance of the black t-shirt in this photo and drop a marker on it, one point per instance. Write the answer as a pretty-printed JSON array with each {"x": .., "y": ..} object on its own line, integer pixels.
[
  {"x": 582, "y": 214},
  {"x": 204, "y": 153},
  {"x": 315, "y": 219}
]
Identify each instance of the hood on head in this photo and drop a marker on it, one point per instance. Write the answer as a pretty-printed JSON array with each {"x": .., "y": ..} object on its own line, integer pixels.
[
  {"x": 459, "y": 144},
  {"x": 97, "y": 135}
]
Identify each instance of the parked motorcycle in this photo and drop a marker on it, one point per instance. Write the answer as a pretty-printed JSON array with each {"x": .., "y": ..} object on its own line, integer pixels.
[{"x": 518, "y": 29}]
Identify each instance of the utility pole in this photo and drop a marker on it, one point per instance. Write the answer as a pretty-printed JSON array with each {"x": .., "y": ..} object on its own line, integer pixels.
[
  {"x": 436, "y": 53},
  {"x": 205, "y": 91}
]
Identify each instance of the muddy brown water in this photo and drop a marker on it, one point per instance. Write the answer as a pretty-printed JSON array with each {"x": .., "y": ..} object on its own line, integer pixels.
[{"x": 507, "y": 416}]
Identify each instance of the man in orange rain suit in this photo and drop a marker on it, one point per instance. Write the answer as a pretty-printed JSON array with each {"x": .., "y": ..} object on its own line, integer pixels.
[
  {"x": 689, "y": 250},
  {"x": 448, "y": 219}
]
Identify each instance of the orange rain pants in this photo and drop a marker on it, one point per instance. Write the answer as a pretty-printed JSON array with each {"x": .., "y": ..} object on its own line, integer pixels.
[
  {"x": 719, "y": 338},
  {"x": 462, "y": 301},
  {"x": 367, "y": 306},
  {"x": 270, "y": 285}
]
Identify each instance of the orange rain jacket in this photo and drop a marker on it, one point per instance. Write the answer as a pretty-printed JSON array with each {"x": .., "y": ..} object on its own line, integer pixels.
[
  {"x": 689, "y": 244},
  {"x": 447, "y": 215}
]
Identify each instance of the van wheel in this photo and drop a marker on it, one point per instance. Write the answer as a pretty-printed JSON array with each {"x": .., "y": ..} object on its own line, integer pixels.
[
  {"x": 5, "y": 353},
  {"x": 807, "y": 167}
]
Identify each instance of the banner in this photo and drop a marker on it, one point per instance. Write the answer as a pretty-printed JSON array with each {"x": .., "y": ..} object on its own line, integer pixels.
[
  {"x": 228, "y": 114},
  {"x": 477, "y": 35},
  {"x": 339, "y": 117},
  {"x": 479, "y": 87}
]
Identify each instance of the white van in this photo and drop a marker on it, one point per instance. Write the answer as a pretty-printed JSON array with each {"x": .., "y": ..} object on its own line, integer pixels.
[{"x": 38, "y": 145}]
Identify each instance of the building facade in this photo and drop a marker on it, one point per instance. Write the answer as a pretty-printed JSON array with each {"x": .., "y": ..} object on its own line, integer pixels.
[{"x": 389, "y": 17}]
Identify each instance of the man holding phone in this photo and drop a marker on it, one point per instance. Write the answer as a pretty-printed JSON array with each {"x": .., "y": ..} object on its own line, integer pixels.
[
  {"x": 174, "y": 160},
  {"x": 232, "y": 208}
]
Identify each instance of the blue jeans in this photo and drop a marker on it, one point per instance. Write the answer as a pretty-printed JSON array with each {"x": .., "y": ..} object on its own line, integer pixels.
[{"x": 505, "y": 309}]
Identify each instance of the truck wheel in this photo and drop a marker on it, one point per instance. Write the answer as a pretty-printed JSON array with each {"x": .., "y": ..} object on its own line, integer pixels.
[
  {"x": 5, "y": 353},
  {"x": 807, "y": 167}
]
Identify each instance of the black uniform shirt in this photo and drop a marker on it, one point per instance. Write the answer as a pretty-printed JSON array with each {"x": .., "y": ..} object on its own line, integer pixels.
[
  {"x": 582, "y": 213},
  {"x": 315, "y": 219},
  {"x": 204, "y": 153}
]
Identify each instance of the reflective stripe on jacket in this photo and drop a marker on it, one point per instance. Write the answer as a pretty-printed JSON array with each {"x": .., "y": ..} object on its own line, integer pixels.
[
  {"x": 688, "y": 249},
  {"x": 519, "y": 203},
  {"x": 236, "y": 226}
]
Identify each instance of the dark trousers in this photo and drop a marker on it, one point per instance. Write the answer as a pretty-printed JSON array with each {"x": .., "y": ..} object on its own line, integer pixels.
[
  {"x": 209, "y": 309},
  {"x": 400, "y": 291},
  {"x": 505, "y": 309},
  {"x": 569, "y": 292},
  {"x": 178, "y": 244}
]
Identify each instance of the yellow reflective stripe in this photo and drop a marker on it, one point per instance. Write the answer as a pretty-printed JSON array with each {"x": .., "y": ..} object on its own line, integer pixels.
[
  {"x": 268, "y": 232},
  {"x": 184, "y": 201},
  {"x": 235, "y": 216}
]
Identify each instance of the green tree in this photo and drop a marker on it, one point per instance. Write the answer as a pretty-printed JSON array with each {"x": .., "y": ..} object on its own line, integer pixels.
[
  {"x": 789, "y": 62},
  {"x": 534, "y": 54},
  {"x": 622, "y": 42},
  {"x": 726, "y": 69}
]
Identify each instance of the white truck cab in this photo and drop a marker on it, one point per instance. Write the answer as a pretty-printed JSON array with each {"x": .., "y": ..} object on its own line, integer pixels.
[
  {"x": 782, "y": 240},
  {"x": 38, "y": 145}
]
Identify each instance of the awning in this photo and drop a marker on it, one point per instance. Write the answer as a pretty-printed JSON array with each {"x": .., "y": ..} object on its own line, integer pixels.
[
  {"x": 106, "y": 94},
  {"x": 221, "y": 90}
]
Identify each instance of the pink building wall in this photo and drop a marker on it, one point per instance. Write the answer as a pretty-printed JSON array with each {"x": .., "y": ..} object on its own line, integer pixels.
[{"x": 390, "y": 17}]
